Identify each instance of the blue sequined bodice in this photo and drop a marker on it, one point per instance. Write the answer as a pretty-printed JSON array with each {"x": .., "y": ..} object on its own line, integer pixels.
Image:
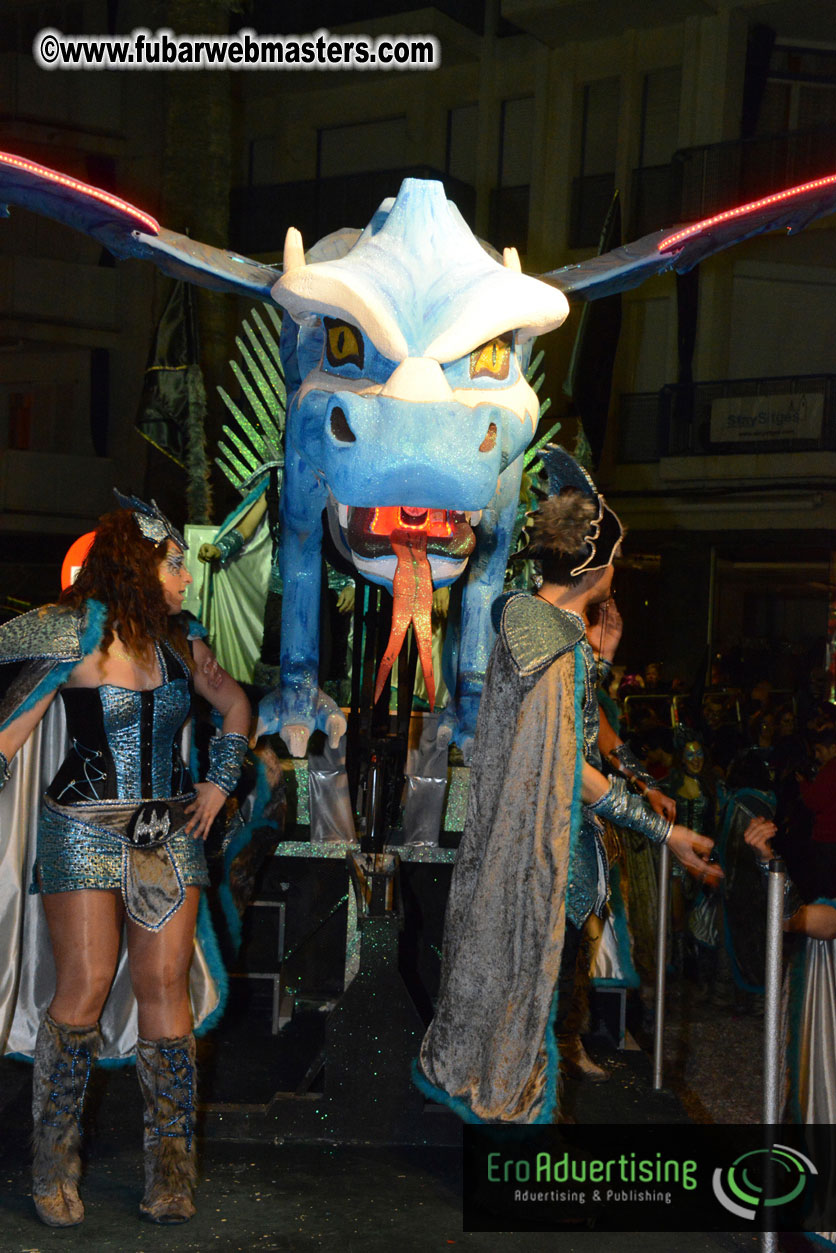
[{"x": 124, "y": 744}]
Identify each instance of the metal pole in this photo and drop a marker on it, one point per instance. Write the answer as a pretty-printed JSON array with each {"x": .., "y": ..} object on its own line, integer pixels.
[
  {"x": 661, "y": 961},
  {"x": 772, "y": 1079},
  {"x": 772, "y": 1084}
]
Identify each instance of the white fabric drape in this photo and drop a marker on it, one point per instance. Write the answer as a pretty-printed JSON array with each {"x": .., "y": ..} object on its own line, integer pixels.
[
  {"x": 817, "y": 1042},
  {"x": 230, "y": 601}
]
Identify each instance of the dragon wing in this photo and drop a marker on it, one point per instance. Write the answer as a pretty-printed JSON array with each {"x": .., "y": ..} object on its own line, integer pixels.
[
  {"x": 681, "y": 248},
  {"x": 127, "y": 231}
]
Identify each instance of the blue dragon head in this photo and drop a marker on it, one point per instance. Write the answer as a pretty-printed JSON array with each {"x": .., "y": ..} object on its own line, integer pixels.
[{"x": 406, "y": 376}]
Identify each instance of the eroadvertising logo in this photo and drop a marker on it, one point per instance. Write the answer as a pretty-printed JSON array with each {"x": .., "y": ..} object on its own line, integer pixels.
[
  {"x": 785, "y": 1172},
  {"x": 672, "y": 1177}
]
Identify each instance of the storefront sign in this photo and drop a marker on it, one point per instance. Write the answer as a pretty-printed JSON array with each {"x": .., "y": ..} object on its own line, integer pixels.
[{"x": 747, "y": 419}]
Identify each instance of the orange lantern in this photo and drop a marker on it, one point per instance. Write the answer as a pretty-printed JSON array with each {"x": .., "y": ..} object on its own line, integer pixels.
[{"x": 75, "y": 558}]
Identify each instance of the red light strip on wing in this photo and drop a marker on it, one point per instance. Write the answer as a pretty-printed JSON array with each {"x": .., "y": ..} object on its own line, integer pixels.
[
  {"x": 745, "y": 208},
  {"x": 31, "y": 167}
]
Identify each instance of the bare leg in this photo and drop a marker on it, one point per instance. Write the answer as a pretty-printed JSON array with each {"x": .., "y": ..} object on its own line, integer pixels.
[
  {"x": 159, "y": 964},
  {"x": 85, "y": 929}
]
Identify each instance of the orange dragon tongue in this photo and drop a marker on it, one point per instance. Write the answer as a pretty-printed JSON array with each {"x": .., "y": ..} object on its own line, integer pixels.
[{"x": 412, "y": 590}]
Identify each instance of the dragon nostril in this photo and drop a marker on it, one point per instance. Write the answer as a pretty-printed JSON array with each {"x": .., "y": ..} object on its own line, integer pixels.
[
  {"x": 340, "y": 428},
  {"x": 489, "y": 442}
]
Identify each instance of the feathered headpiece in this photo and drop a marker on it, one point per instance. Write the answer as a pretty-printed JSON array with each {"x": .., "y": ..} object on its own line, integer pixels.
[
  {"x": 574, "y": 520},
  {"x": 150, "y": 519}
]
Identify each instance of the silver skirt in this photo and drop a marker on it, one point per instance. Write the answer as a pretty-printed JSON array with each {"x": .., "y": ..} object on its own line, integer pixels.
[{"x": 94, "y": 846}]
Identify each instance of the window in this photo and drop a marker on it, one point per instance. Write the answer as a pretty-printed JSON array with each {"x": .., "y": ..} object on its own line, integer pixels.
[
  {"x": 593, "y": 188},
  {"x": 510, "y": 200},
  {"x": 660, "y": 115},
  {"x": 800, "y": 89}
]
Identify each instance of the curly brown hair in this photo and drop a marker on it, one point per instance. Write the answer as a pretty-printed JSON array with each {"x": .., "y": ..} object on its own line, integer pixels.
[{"x": 121, "y": 570}]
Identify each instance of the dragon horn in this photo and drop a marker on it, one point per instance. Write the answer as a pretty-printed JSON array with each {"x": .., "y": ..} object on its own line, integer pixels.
[{"x": 294, "y": 250}]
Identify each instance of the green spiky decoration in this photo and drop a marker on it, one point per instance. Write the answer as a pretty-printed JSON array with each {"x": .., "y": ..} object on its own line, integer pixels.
[
  {"x": 254, "y": 444},
  {"x": 531, "y": 461}
]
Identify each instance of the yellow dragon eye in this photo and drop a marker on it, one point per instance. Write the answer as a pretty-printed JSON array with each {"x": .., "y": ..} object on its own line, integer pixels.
[
  {"x": 343, "y": 344},
  {"x": 492, "y": 360}
]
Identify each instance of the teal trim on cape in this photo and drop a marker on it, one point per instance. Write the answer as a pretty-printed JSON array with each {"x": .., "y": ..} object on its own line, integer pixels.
[
  {"x": 454, "y": 1103},
  {"x": 88, "y": 638}
]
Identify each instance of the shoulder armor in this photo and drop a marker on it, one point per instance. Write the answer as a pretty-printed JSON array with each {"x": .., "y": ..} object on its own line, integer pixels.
[
  {"x": 52, "y": 633},
  {"x": 535, "y": 632}
]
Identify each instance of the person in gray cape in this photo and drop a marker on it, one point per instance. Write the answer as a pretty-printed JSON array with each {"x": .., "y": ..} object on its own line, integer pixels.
[{"x": 531, "y": 866}]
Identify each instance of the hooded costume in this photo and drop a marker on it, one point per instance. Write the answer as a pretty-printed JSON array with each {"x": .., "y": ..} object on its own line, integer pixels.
[{"x": 531, "y": 855}]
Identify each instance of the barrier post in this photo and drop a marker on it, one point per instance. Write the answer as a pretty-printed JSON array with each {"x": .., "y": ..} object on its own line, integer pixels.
[{"x": 772, "y": 1078}]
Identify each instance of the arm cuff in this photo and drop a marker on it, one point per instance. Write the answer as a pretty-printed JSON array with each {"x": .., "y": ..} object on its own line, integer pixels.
[
  {"x": 229, "y": 545},
  {"x": 226, "y": 755},
  {"x": 617, "y": 805}
]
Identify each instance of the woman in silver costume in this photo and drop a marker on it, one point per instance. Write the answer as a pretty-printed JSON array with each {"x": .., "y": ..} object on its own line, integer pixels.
[{"x": 120, "y": 840}]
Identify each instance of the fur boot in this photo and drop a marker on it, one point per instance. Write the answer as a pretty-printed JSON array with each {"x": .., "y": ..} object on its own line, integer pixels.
[
  {"x": 576, "y": 1062},
  {"x": 63, "y": 1059},
  {"x": 166, "y": 1073}
]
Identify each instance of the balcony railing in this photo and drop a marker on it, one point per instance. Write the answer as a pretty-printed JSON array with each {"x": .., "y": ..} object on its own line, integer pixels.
[
  {"x": 795, "y": 413},
  {"x": 705, "y": 180},
  {"x": 260, "y": 216}
]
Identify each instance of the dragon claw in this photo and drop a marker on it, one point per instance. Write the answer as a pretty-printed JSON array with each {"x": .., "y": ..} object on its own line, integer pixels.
[
  {"x": 296, "y": 738},
  {"x": 295, "y": 720}
]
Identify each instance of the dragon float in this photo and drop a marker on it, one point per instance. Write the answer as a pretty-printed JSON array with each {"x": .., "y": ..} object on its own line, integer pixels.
[{"x": 408, "y": 411}]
